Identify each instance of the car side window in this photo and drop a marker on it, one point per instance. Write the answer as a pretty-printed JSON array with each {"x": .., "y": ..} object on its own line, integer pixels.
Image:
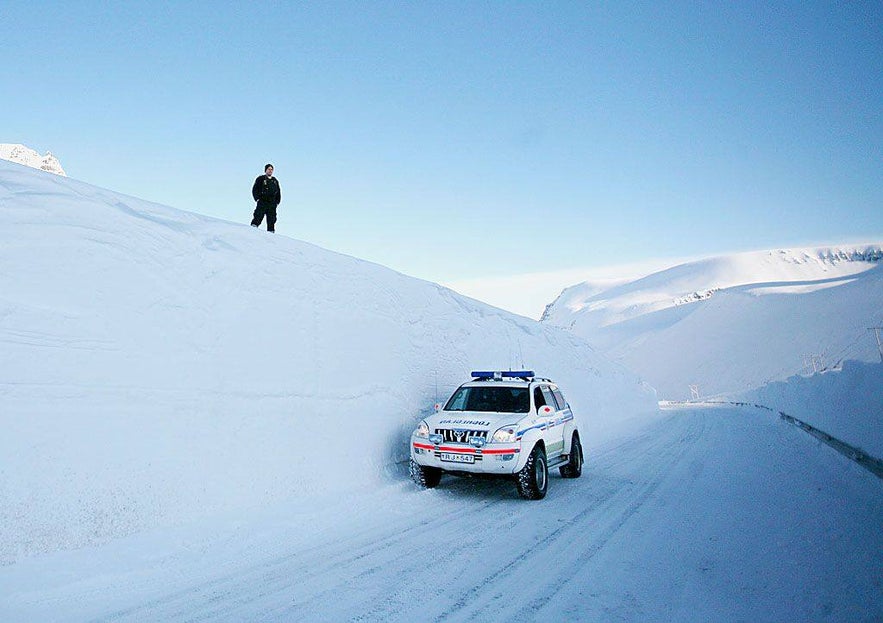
[
  {"x": 538, "y": 398},
  {"x": 562, "y": 404},
  {"x": 550, "y": 399}
]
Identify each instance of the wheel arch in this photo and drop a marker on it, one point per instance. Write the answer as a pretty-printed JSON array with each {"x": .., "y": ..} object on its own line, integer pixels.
[
  {"x": 568, "y": 439},
  {"x": 527, "y": 447}
]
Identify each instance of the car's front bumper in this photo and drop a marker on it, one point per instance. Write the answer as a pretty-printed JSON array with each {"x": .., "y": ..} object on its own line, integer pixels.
[{"x": 460, "y": 457}]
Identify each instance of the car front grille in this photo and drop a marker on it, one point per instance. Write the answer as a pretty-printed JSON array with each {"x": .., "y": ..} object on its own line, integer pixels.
[{"x": 459, "y": 435}]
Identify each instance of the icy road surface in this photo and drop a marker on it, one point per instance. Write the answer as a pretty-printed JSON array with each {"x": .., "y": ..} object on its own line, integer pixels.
[{"x": 711, "y": 514}]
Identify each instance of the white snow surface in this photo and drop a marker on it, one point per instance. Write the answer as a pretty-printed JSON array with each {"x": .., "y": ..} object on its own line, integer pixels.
[
  {"x": 734, "y": 323},
  {"x": 15, "y": 152},
  {"x": 710, "y": 514},
  {"x": 157, "y": 366}
]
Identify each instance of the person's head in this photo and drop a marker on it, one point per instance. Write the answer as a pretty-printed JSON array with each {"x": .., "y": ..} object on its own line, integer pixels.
[{"x": 268, "y": 170}]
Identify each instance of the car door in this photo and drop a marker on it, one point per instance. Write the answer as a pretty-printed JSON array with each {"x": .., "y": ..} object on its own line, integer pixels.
[
  {"x": 553, "y": 422},
  {"x": 555, "y": 439},
  {"x": 540, "y": 417}
]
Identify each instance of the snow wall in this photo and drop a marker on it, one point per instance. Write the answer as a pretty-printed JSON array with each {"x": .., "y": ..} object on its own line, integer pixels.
[
  {"x": 157, "y": 365},
  {"x": 846, "y": 403}
]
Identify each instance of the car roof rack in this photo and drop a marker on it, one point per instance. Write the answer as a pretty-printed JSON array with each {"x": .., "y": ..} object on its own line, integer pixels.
[{"x": 499, "y": 375}]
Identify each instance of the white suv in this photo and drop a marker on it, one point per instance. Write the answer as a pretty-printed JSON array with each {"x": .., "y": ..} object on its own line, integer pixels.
[{"x": 509, "y": 424}]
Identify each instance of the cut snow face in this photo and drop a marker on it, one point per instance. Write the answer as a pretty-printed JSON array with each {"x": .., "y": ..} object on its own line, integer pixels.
[
  {"x": 14, "y": 152},
  {"x": 846, "y": 403},
  {"x": 733, "y": 323},
  {"x": 157, "y": 365}
]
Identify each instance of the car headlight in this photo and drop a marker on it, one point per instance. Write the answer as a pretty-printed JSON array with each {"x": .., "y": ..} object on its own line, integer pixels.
[
  {"x": 505, "y": 434},
  {"x": 422, "y": 430}
]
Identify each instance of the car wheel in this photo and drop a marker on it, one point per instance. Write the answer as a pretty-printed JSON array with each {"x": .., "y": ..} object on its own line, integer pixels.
[
  {"x": 424, "y": 477},
  {"x": 574, "y": 467},
  {"x": 533, "y": 479}
]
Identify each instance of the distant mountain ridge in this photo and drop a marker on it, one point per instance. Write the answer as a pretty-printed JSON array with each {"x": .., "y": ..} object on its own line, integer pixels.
[
  {"x": 732, "y": 323},
  {"x": 699, "y": 280},
  {"x": 15, "y": 152}
]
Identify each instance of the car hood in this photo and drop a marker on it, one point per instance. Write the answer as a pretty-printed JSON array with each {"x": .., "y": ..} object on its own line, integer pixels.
[{"x": 472, "y": 420}]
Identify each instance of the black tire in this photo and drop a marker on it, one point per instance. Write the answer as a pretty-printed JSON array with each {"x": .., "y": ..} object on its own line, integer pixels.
[
  {"x": 424, "y": 477},
  {"x": 533, "y": 479},
  {"x": 574, "y": 467}
]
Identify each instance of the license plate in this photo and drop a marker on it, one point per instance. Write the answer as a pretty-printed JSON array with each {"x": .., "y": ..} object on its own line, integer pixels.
[{"x": 456, "y": 458}]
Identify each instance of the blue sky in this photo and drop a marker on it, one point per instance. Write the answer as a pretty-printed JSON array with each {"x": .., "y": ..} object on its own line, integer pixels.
[{"x": 454, "y": 140}]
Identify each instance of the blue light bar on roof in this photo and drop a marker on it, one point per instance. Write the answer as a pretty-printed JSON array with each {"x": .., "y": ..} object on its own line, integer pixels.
[{"x": 512, "y": 374}]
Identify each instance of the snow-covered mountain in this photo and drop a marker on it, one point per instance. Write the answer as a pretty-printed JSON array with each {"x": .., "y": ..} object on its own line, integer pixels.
[
  {"x": 734, "y": 323},
  {"x": 14, "y": 152},
  {"x": 157, "y": 365}
]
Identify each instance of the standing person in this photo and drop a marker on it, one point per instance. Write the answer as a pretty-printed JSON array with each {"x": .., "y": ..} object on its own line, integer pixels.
[{"x": 266, "y": 192}]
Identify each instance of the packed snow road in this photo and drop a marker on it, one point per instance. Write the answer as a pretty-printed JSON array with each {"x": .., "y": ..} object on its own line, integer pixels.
[{"x": 710, "y": 514}]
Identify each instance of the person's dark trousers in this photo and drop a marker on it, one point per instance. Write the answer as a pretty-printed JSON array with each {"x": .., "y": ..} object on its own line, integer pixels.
[{"x": 265, "y": 209}]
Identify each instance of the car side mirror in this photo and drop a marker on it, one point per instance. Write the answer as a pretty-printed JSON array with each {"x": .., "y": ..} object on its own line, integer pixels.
[
  {"x": 437, "y": 407},
  {"x": 544, "y": 411}
]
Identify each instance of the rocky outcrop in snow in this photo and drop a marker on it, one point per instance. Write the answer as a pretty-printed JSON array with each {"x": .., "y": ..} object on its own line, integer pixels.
[{"x": 14, "y": 152}]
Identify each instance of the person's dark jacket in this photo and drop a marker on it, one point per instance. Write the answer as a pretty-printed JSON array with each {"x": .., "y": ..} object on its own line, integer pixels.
[{"x": 266, "y": 190}]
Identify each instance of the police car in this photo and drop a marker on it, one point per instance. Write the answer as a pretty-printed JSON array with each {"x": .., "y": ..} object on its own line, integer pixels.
[{"x": 511, "y": 424}]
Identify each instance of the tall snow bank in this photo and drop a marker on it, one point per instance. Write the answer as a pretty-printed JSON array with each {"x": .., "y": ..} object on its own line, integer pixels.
[
  {"x": 157, "y": 365},
  {"x": 845, "y": 403}
]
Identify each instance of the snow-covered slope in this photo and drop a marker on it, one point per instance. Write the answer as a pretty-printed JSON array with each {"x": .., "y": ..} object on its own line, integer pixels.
[
  {"x": 14, "y": 152},
  {"x": 156, "y": 365},
  {"x": 734, "y": 323}
]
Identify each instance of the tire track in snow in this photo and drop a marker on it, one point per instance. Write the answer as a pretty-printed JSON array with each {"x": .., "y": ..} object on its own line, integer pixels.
[
  {"x": 616, "y": 507},
  {"x": 370, "y": 565},
  {"x": 437, "y": 568},
  {"x": 412, "y": 581},
  {"x": 644, "y": 492},
  {"x": 273, "y": 577}
]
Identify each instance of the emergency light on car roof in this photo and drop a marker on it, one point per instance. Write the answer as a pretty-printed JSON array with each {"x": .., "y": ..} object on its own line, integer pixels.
[{"x": 500, "y": 374}]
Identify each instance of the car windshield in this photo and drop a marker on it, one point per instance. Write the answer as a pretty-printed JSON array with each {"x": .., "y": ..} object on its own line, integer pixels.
[{"x": 490, "y": 399}]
